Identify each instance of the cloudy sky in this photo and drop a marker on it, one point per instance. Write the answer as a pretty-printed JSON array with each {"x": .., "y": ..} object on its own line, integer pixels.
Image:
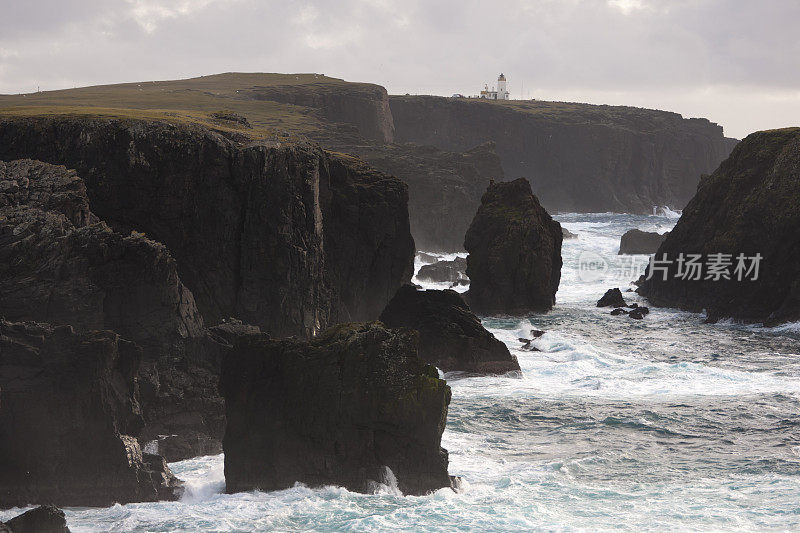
[{"x": 736, "y": 62}]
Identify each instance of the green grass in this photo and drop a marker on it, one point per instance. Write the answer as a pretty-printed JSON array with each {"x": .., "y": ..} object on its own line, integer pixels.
[{"x": 191, "y": 100}]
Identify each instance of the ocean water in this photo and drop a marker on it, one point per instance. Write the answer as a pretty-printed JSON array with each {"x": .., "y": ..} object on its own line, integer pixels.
[{"x": 664, "y": 424}]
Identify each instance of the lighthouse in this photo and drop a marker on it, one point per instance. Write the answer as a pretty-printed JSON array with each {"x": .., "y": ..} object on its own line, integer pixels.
[
  {"x": 500, "y": 94},
  {"x": 502, "y": 91}
]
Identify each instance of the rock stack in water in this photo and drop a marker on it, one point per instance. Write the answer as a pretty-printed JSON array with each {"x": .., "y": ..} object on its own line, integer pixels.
[
  {"x": 636, "y": 241},
  {"x": 749, "y": 207},
  {"x": 43, "y": 519},
  {"x": 514, "y": 262},
  {"x": 451, "y": 336},
  {"x": 339, "y": 409}
]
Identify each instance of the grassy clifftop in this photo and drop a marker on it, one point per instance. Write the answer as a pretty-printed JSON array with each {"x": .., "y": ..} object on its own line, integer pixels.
[{"x": 194, "y": 100}]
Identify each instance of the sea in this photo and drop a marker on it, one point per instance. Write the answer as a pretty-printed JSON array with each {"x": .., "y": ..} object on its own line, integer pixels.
[{"x": 615, "y": 424}]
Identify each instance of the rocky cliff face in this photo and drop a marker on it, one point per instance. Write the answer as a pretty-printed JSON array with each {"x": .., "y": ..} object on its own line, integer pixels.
[
  {"x": 750, "y": 205},
  {"x": 59, "y": 263},
  {"x": 339, "y": 409},
  {"x": 514, "y": 261},
  {"x": 364, "y": 105},
  {"x": 69, "y": 413},
  {"x": 578, "y": 157},
  {"x": 249, "y": 224}
]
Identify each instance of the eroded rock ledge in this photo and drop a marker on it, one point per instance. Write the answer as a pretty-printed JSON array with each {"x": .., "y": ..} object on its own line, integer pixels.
[{"x": 451, "y": 336}]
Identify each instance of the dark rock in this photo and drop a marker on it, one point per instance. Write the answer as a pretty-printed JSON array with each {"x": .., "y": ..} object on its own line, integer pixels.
[
  {"x": 619, "y": 311},
  {"x": 633, "y": 305},
  {"x": 336, "y": 410},
  {"x": 231, "y": 116},
  {"x": 463, "y": 282},
  {"x": 514, "y": 262},
  {"x": 612, "y": 298},
  {"x": 445, "y": 271},
  {"x": 451, "y": 336},
  {"x": 69, "y": 413},
  {"x": 369, "y": 251},
  {"x": 567, "y": 234},
  {"x": 748, "y": 206},
  {"x": 536, "y": 333},
  {"x": 640, "y": 242},
  {"x": 60, "y": 264},
  {"x": 526, "y": 345},
  {"x": 639, "y": 313},
  {"x": 584, "y": 158},
  {"x": 289, "y": 238},
  {"x": 43, "y": 519}
]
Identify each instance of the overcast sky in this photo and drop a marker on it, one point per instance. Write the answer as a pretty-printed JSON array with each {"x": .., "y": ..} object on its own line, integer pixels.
[{"x": 736, "y": 62}]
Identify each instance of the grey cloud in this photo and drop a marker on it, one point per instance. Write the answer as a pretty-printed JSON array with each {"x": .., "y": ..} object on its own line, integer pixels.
[{"x": 658, "y": 53}]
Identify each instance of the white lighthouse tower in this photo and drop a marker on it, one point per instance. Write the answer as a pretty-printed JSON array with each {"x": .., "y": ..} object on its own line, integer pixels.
[{"x": 502, "y": 91}]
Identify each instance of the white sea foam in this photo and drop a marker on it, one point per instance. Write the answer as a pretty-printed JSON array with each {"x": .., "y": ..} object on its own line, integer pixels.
[{"x": 664, "y": 424}]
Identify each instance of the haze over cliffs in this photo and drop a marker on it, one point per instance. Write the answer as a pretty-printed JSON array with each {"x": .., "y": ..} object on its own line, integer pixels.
[{"x": 578, "y": 157}]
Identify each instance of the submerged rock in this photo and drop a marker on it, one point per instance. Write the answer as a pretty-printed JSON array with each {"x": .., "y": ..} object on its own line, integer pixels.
[
  {"x": 339, "y": 410},
  {"x": 69, "y": 413},
  {"x": 747, "y": 208},
  {"x": 640, "y": 242},
  {"x": 618, "y": 311},
  {"x": 567, "y": 234},
  {"x": 514, "y": 262},
  {"x": 451, "y": 336},
  {"x": 43, "y": 519},
  {"x": 445, "y": 271},
  {"x": 612, "y": 298},
  {"x": 639, "y": 313}
]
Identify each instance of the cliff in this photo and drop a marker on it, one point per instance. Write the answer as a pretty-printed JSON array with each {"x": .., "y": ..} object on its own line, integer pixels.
[
  {"x": 69, "y": 413},
  {"x": 578, "y": 157},
  {"x": 262, "y": 231},
  {"x": 750, "y": 205}
]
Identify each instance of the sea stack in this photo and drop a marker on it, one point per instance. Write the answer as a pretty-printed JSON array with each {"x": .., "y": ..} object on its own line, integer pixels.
[
  {"x": 514, "y": 246},
  {"x": 340, "y": 409},
  {"x": 749, "y": 211},
  {"x": 451, "y": 336}
]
